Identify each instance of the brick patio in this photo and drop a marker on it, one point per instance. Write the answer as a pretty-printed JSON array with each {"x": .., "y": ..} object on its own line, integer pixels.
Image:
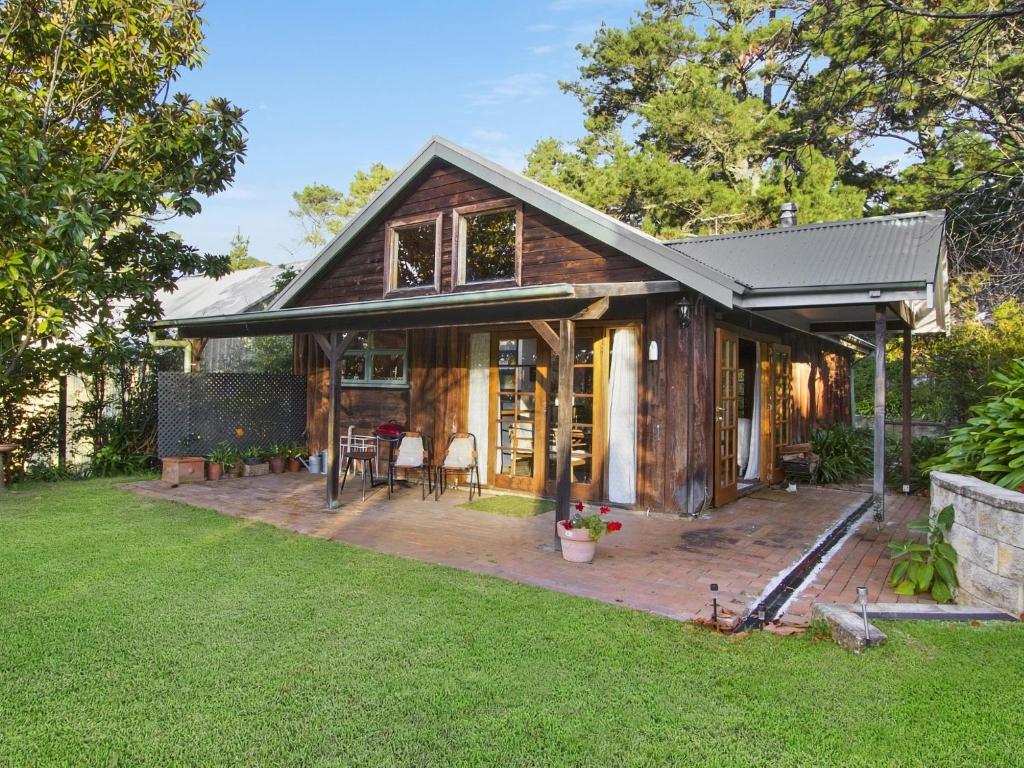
[{"x": 658, "y": 563}]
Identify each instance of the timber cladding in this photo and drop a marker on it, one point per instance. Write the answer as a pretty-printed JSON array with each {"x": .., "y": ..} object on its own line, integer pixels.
[{"x": 552, "y": 252}]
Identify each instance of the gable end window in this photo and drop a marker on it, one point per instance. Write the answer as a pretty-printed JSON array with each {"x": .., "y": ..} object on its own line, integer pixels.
[
  {"x": 413, "y": 254},
  {"x": 488, "y": 242},
  {"x": 376, "y": 359}
]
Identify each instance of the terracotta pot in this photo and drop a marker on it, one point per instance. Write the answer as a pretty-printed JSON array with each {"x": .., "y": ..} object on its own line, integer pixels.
[
  {"x": 577, "y": 546},
  {"x": 214, "y": 470},
  {"x": 277, "y": 465},
  {"x": 294, "y": 465}
]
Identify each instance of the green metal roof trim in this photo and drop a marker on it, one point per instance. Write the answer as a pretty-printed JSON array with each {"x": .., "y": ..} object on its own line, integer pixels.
[
  {"x": 606, "y": 229},
  {"x": 900, "y": 250}
]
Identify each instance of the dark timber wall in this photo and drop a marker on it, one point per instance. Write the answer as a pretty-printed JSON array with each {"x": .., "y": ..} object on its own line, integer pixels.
[{"x": 552, "y": 252}]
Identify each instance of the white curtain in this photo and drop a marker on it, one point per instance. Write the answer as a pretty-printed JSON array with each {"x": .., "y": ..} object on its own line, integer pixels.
[
  {"x": 753, "y": 471},
  {"x": 622, "y": 404},
  {"x": 478, "y": 418}
]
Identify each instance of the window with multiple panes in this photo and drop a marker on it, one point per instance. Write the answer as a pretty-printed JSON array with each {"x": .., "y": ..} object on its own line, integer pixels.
[
  {"x": 414, "y": 253},
  {"x": 376, "y": 359},
  {"x": 489, "y": 243}
]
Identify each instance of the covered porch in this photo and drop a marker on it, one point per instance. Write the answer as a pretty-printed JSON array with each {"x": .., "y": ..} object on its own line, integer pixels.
[{"x": 662, "y": 564}]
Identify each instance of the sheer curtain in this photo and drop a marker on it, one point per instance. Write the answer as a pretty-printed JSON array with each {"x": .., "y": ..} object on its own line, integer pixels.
[
  {"x": 622, "y": 404},
  {"x": 754, "y": 455}
]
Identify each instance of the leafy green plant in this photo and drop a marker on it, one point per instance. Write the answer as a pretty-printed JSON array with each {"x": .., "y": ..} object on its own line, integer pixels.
[
  {"x": 223, "y": 454},
  {"x": 926, "y": 567},
  {"x": 109, "y": 461},
  {"x": 844, "y": 453},
  {"x": 280, "y": 450},
  {"x": 991, "y": 445},
  {"x": 254, "y": 455}
]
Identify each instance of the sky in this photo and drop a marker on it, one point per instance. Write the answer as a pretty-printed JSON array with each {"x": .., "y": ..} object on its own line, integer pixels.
[{"x": 332, "y": 87}]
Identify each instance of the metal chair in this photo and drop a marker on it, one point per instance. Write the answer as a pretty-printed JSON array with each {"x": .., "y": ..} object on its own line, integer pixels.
[
  {"x": 459, "y": 459},
  {"x": 413, "y": 454}
]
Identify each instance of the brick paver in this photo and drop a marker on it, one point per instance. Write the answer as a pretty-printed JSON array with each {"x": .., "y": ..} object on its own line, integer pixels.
[
  {"x": 863, "y": 560},
  {"x": 657, "y": 563}
]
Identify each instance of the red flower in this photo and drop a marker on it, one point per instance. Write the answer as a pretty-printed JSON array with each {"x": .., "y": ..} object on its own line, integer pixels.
[
  {"x": 567, "y": 524},
  {"x": 614, "y": 525},
  {"x": 579, "y": 506},
  {"x": 605, "y": 510}
]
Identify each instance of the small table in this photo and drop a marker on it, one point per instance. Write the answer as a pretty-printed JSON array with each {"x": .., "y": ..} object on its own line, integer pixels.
[
  {"x": 367, "y": 458},
  {"x": 6, "y": 449}
]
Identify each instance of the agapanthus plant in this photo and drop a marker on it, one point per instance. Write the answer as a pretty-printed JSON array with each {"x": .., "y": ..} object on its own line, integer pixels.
[{"x": 598, "y": 524}]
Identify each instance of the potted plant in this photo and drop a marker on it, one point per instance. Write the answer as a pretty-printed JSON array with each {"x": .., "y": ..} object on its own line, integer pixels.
[
  {"x": 580, "y": 533},
  {"x": 219, "y": 461},
  {"x": 278, "y": 457},
  {"x": 296, "y": 450},
  {"x": 236, "y": 463},
  {"x": 254, "y": 462}
]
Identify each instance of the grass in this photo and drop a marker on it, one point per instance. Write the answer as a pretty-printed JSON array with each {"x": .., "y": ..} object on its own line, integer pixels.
[
  {"x": 140, "y": 632},
  {"x": 510, "y": 506}
]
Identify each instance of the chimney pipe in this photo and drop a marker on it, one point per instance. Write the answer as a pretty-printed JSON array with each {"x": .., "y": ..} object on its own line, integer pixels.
[{"x": 787, "y": 215}]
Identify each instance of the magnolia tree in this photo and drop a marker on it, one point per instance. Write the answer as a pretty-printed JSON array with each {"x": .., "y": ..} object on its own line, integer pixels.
[{"x": 96, "y": 150}]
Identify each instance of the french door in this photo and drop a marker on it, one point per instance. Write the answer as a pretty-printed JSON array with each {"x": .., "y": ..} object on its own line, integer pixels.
[
  {"x": 727, "y": 365},
  {"x": 781, "y": 404},
  {"x": 524, "y": 414},
  {"x": 518, "y": 417},
  {"x": 587, "y": 446}
]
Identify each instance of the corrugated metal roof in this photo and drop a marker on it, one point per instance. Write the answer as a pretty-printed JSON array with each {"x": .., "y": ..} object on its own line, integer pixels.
[
  {"x": 895, "y": 249},
  {"x": 240, "y": 291}
]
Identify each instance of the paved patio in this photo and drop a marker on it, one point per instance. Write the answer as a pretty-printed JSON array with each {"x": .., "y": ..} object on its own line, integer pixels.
[{"x": 658, "y": 563}]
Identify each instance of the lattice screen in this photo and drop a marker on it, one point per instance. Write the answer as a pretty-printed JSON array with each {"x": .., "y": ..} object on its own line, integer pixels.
[{"x": 198, "y": 411}]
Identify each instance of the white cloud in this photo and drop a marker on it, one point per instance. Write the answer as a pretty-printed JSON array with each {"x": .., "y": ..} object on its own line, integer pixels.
[
  {"x": 542, "y": 50},
  {"x": 519, "y": 87},
  {"x": 498, "y": 146},
  {"x": 569, "y": 5},
  {"x": 542, "y": 28}
]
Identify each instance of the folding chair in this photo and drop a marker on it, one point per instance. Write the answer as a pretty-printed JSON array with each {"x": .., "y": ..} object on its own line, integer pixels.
[
  {"x": 459, "y": 459},
  {"x": 413, "y": 455}
]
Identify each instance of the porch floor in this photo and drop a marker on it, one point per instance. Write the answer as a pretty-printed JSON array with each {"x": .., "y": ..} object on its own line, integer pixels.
[{"x": 657, "y": 563}]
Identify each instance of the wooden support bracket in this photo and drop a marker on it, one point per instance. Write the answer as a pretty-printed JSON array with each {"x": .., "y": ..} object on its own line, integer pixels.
[
  {"x": 595, "y": 311},
  {"x": 547, "y": 333}
]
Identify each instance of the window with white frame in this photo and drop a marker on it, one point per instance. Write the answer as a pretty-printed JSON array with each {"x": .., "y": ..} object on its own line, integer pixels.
[
  {"x": 376, "y": 359},
  {"x": 414, "y": 254},
  {"x": 488, "y": 242}
]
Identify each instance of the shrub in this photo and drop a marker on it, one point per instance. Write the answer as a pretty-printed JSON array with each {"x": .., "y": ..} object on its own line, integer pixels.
[
  {"x": 923, "y": 450},
  {"x": 845, "y": 453},
  {"x": 991, "y": 445}
]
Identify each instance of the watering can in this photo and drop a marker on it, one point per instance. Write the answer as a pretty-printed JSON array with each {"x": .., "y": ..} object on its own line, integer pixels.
[{"x": 317, "y": 464}]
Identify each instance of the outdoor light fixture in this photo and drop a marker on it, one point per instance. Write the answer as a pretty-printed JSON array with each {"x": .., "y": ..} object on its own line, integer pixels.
[
  {"x": 862, "y": 598},
  {"x": 652, "y": 351},
  {"x": 714, "y": 603},
  {"x": 683, "y": 310}
]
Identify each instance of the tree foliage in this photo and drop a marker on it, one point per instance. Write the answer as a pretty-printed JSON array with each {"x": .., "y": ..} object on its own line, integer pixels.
[
  {"x": 96, "y": 148},
  {"x": 238, "y": 254},
  {"x": 703, "y": 117},
  {"x": 324, "y": 211}
]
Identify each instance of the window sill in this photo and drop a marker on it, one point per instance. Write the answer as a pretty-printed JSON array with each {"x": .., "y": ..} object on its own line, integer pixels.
[{"x": 373, "y": 385}]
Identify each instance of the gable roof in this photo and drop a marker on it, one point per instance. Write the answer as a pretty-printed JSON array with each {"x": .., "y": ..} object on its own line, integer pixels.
[
  {"x": 899, "y": 249},
  {"x": 603, "y": 228}
]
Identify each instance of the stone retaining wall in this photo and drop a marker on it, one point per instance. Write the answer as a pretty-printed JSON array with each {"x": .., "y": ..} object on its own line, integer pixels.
[{"x": 988, "y": 534}]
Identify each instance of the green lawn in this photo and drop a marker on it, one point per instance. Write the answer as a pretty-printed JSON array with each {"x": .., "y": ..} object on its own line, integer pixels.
[
  {"x": 510, "y": 506},
  {"x": 138, "y": 632}
]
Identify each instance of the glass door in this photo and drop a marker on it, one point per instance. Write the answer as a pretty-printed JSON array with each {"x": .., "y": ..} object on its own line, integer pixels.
[
  {"x": 726, "y": 422},
  {"x": 517, "y": 413},
  {"x": 586, "y": 458},
  {"x": 781, "y": 405}
]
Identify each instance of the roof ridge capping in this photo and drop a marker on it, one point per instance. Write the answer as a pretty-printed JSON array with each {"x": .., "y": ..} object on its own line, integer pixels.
[
  {"x": 939, "y": 214},
  {"x": 628, "y": 239}
]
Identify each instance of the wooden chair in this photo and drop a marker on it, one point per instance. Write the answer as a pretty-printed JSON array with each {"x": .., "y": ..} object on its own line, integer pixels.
[
  {"x": 414, "y": 455},
  {"x": 460, "y": 459}
]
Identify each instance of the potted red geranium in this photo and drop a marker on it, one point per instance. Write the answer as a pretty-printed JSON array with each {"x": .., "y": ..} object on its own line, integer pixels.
[{"x": 580, "y": 533}]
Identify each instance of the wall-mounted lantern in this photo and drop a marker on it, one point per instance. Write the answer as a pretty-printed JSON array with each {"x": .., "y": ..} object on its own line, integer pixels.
[
  {"x": 652, "y": 351},
  {"x": 683, "y": 310}
]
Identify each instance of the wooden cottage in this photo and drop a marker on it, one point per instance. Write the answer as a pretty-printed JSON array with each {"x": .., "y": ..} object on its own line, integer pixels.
[{"x": 466, "y": 297}]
